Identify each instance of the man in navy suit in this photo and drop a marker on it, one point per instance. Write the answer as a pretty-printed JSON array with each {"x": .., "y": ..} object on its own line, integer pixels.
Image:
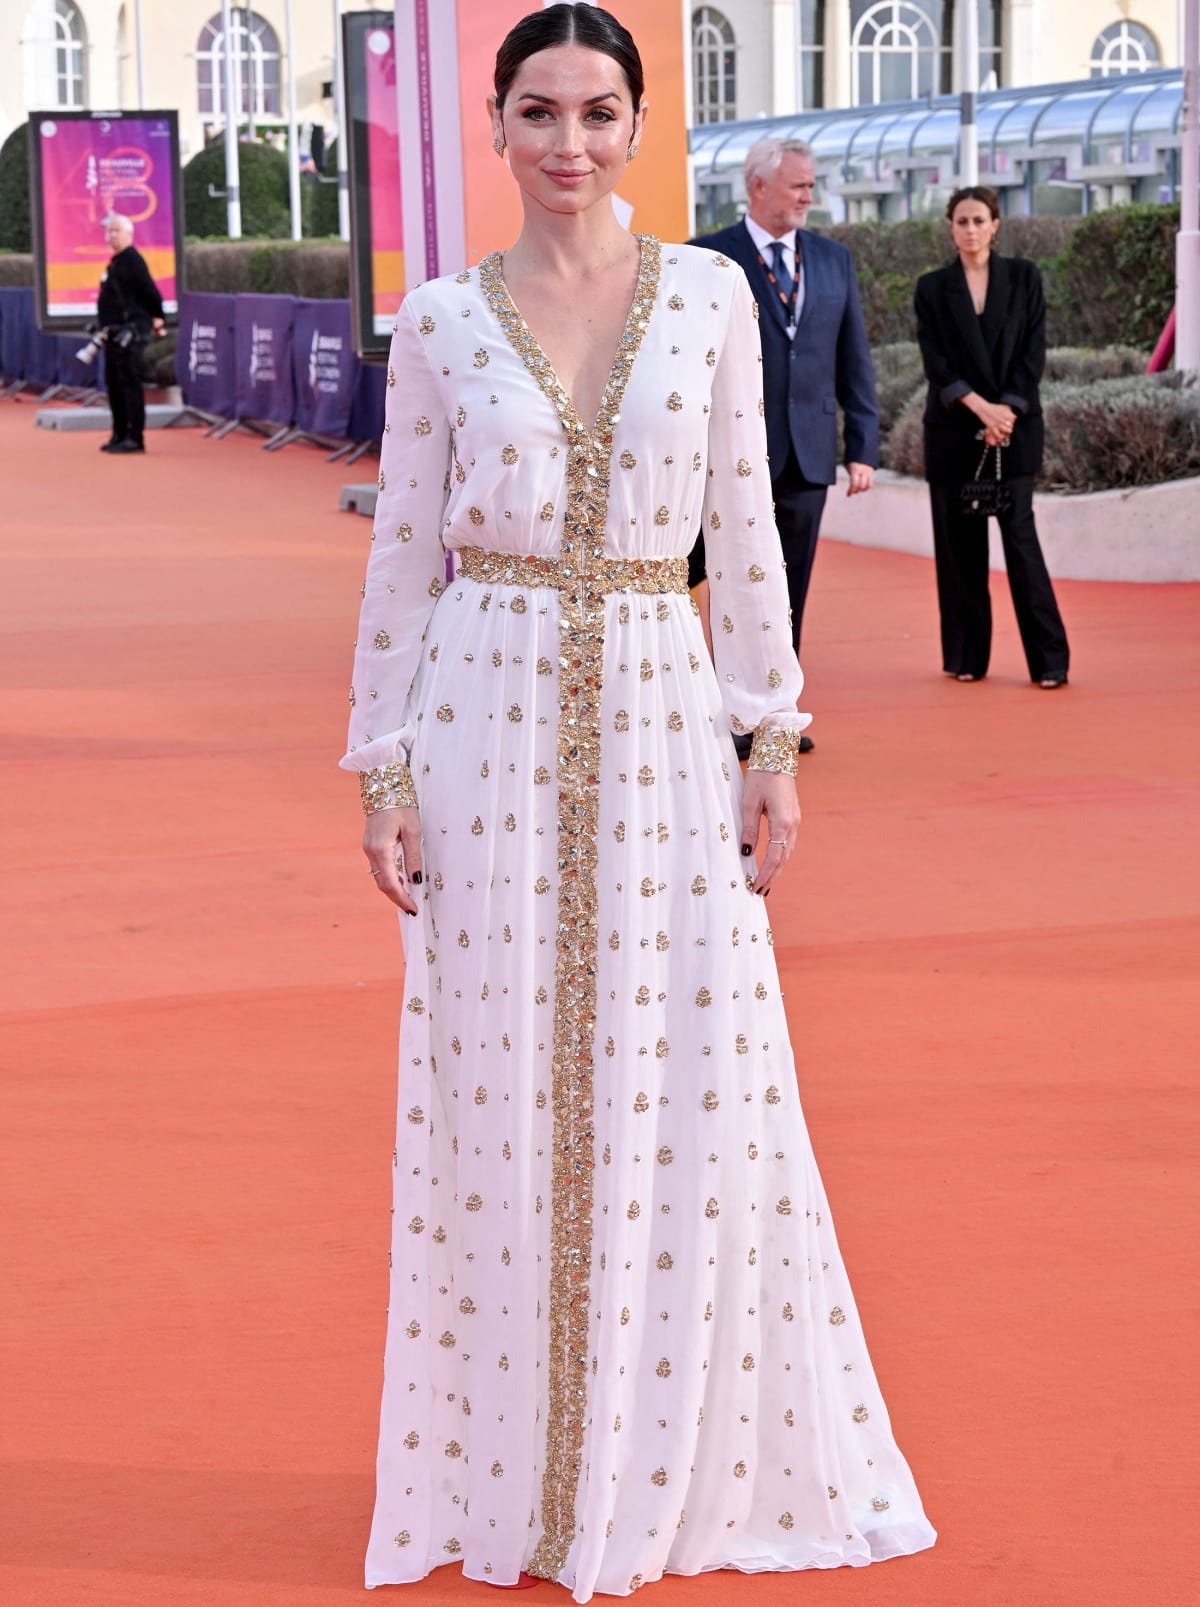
[{"x": 815, "y": 353}]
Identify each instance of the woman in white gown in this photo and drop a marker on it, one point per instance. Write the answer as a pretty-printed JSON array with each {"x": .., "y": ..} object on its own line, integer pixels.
[{"x": 621, "y": 1341}]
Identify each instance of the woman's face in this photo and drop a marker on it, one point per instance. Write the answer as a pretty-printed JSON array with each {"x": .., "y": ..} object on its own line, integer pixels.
[
  {"x": 972, "y": 228},
  {"x": 568, "y": 121}
]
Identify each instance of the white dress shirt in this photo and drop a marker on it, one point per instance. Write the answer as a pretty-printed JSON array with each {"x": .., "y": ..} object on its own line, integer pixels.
[{"x": 763, "y": 243}]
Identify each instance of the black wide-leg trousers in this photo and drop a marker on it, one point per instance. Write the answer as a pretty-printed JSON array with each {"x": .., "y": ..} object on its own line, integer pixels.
[
  {"x": 960, "y": 547},
  {"x": 799, "y": 504},
  {"x": 124, "y": 376}
]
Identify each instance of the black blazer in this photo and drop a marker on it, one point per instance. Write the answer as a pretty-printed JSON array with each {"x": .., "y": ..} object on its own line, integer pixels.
[
  {"x": 127, "y": 292},
  {"x": 826, "y": 363},
  {"x": 955, "y": 350}
]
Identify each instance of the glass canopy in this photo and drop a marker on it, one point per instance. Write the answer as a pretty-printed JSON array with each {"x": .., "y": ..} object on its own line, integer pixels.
[{"x": 1096, "y": 125}]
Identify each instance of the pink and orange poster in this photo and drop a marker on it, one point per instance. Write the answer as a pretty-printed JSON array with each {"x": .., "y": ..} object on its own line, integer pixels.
[
  {"x": 460, "y": 201},
  {"x": 387, "y": 222},
  {"x": 83, "y": 167}
]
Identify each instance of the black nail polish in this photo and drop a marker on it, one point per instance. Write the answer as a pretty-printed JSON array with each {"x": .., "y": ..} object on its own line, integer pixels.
[
  {"x": 416, "y": 878},
  {"x": 746, "y": 849}
]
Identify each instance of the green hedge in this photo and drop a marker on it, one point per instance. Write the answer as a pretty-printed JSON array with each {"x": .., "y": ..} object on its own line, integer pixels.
[
  {"x": 1102, "y": 433},
  {"x": 1114, "y": 281},
  {"x": 14, "y": 192},
  {"x": 309, "y": 268},
  {"x": 16, "y": 268},
  {"x": 1110, "y": 277},
  {"x": 287, "y": 268},
  {"x": 263, "y": 182}
]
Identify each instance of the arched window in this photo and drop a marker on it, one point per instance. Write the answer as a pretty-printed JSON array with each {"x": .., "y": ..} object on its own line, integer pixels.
[
  {"x": 54, "y": 46},
  {"x": 896, "y": 51},
  {"x": 1124, "y": 47},
  {"x": 714, "y": 67},
  {"x": 812, "y": 54},
  {"x": 256, "y": 67}
]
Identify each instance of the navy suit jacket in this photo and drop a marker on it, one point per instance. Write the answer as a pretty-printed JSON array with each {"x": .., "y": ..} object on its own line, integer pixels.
[{"x": 828, "y": 362}]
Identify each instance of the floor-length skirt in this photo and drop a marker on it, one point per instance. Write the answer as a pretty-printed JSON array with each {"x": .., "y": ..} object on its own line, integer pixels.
[{"x": 731, "y": 1415}]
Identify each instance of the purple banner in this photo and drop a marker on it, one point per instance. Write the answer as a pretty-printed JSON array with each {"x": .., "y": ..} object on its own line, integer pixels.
[
  {"x": 428, "y": 177},
  {"x": 41, "y": 356},
  {"x": 204, "y": 357},
  {"x": 16, "y": 312},
  {"x": 325, "y": 367},
  {"x": 370, "y": 400},
  {"x": 266, "y": 386},
  {"x": 84, "y": 376}
]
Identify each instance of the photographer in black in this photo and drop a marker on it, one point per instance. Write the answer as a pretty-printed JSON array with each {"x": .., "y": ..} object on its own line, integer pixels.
[{"x": 128, "y": 310}]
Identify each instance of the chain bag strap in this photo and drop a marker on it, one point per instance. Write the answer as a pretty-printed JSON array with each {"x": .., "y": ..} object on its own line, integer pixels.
[{"x": 986, "y": 499}]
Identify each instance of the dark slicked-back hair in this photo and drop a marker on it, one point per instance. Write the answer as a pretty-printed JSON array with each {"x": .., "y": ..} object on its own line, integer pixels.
[
  {"x": 569, "y": 25},
  {"x": 974, "y": 192}
]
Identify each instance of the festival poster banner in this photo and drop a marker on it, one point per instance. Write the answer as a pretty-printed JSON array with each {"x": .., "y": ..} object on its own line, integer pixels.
[
  {"x": 653, "y": 195},
  {"x": 205, "y": 356},
  {"x": 83, "y": 166},
  {"x": 376, "y": 218},
  {"x": 324, "y": 367},
  {"x": 262, "y": 342}
]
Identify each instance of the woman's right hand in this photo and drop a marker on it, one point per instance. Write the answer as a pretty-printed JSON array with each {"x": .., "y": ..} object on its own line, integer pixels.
[
  {"x": 997, "y": 419},
  {"x": 384, "y": 832}
]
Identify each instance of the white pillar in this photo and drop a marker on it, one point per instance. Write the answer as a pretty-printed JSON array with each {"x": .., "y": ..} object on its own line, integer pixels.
[
  {"x": 838, "y": 90},
  {"x": 233, "y": 198},
  {"x": 1187, "y": 244},
  {"x": 137, "y": 47},
  {"x": 293, "y": 126},
  {"x": 339, "y": 114},
  {"x": 1019, "y": 56},
  {"x": 784, "y": 46},
  {"x": 966, "y": 77}
]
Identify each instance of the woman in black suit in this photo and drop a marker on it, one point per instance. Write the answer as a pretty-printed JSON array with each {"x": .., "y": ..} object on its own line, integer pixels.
[{"x": 981, "y": 324}]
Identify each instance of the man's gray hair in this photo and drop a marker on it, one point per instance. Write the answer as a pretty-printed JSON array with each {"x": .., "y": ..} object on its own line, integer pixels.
[
  {"x": 118, "y": 217},
  {"x": 764, "y": 156}
]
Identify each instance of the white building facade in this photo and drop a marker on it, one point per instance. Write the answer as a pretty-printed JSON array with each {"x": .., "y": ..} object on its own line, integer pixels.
[
  {"x": 772, "y": 58},
  {"x": 56, "y": 54}
]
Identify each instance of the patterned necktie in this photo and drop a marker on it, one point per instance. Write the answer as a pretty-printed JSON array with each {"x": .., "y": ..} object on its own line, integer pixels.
[{"x": 779, "y": 269}]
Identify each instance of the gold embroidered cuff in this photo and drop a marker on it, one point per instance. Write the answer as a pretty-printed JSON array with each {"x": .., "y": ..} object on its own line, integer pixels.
[
  {"x": 388, "y": 787},
  {"x": 775, "y": 749}
]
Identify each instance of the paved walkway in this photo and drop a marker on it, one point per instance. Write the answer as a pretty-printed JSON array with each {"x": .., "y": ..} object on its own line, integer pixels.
[{"x": 989, "y": 944}]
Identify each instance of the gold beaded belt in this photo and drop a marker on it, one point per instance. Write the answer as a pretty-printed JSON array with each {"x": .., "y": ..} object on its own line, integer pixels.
[{"x": 652, "y": 575}]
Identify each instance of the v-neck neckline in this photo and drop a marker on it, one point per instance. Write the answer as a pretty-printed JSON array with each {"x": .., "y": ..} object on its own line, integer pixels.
[{"x": 521, "y": 337}]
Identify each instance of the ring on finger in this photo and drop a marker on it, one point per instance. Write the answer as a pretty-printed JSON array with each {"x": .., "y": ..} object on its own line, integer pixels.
[{"x": 776, "y": 842}]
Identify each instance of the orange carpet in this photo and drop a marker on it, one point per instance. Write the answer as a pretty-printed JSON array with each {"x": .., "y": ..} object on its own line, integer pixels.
[{"x": 989, "y": 945}]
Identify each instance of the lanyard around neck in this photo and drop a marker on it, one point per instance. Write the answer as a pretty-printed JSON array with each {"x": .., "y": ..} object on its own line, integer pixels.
[{"x": 789, "y": 302}]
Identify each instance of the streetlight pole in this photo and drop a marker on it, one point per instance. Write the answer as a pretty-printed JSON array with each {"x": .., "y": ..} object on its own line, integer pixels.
[
  {"x": 233, "y": 198},
  {"x": 968, "y": 46},
  {"x": 339, "y": 114},
  {"x": 1187, "y": 243},
  {"x": 141, "y": 69},
  {"x": 293, "y": 129}
]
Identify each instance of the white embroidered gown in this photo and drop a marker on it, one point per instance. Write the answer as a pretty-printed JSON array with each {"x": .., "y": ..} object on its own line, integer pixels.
[{"x": 621, "y": 1340}]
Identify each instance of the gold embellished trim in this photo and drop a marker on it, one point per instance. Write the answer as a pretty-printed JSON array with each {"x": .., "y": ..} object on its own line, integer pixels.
[
  {"x": 582, "y": 569},
  {"x": 388, "y": 787},
  {"x": 775, "y": 749},
  {"x": 650, "y": 575}
]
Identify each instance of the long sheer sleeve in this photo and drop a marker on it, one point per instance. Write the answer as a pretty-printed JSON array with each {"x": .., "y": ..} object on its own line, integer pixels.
[
  {"x": 405, "y": 573},
  {"x": 752, "y": 639}
]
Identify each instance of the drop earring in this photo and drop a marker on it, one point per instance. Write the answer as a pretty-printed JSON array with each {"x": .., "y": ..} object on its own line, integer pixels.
[
  {"x": 631, "y": 152},
  {"x": 498, "y": 145}
]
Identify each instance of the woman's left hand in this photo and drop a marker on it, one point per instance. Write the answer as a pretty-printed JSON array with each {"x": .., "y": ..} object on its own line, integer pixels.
[{"x": 774, "y": 796}]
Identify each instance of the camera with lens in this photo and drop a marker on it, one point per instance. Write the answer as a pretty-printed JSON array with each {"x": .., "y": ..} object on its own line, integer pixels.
[
  {"x": 121, "y": 336},
  {"x": 89, "y": 353}
]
